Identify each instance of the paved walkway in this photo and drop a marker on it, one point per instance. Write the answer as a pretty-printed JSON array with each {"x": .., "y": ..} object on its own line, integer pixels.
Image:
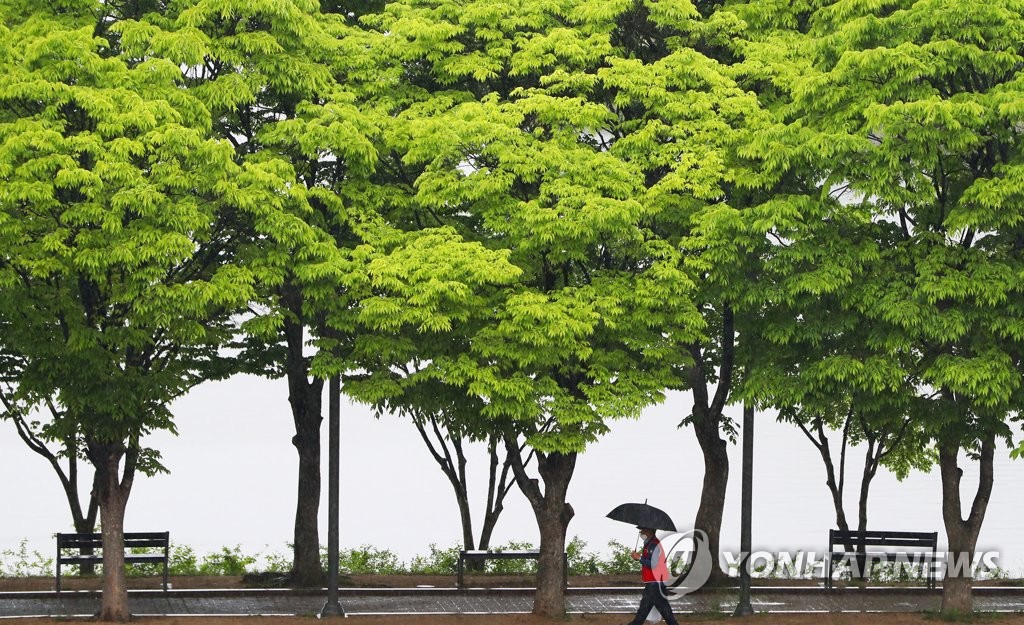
[{"x": 491, "y": 601}]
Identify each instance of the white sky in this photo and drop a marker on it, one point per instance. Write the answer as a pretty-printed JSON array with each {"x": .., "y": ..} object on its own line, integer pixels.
[{"x": 233, "y": 474}]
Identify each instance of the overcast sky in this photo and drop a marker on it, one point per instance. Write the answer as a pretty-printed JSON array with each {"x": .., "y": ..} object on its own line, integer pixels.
[{"x": 233, "y": 474}]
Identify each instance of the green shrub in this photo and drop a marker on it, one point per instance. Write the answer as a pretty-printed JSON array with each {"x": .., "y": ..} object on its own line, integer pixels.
[
  {"x": 278, "y": 562},
  {"x": 366, "y": 559},
  {"x": 581, "y": 562},
  {"x": 21, "y": 562},
  {"x": 183, "y": 561},
  {"x": 228, "y": 561},
  {"x": 620, "y": 561},
  {"x": 439, "y": 562}
]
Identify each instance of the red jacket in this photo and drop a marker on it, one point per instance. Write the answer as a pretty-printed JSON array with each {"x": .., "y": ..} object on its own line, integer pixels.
[{"x": 653, "y": 567}]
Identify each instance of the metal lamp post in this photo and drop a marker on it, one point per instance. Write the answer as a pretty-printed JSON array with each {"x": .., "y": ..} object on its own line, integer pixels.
[
  {"x": 744, "y": 608},
  {"x": 332, "y": 607}
]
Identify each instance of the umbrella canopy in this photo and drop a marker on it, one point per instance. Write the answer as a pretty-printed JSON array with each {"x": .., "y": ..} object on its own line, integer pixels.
[{"x": 643, "y": 515}]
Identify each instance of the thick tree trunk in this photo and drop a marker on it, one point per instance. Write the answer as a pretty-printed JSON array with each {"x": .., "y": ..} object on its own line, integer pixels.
[
  {"x": 553, "y": 516},
  {"x": 306, "y": 403},
  {"x": 306, "y": 399},
  {"x": 712, "y": 495},
  {"x": 112, "y": 494},
  {"x": 553, "y": 522},
  {"x": 707, "y": 421},
  {"x": 961, "y": 533}
]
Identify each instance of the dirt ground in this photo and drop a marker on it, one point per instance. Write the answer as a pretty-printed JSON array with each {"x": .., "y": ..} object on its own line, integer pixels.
[{"x": 526, "y": 619}]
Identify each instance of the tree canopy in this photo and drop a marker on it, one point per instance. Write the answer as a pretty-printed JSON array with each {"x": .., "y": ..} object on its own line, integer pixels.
[{"x": 528, "y": 218}]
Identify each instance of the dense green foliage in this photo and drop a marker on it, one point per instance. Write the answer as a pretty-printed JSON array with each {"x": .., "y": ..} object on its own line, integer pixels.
[{"x": 523, "y": 218}]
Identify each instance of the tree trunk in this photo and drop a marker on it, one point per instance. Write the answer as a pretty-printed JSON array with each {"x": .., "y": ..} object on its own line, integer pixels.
[
  {"x": 305, "y": 397},
  {"x": 307, "y": 570},
  {"x": 707, "y": 421},
  {"x": 553, "y": 522},
  {"x": 113, "y": 491},
  {"x": 712, "y": 494},
  {"x": 961, "y": 533},
  {"x": 553, "y": 516}
]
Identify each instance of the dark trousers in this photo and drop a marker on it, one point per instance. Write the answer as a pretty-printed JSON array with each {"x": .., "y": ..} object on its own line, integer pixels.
[{"x": 655, "y": 596}]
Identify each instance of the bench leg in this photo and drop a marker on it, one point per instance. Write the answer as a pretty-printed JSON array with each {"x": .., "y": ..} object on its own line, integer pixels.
[
  {"x": 58, "y": 574},
  {"x": 460, "y": 568}
]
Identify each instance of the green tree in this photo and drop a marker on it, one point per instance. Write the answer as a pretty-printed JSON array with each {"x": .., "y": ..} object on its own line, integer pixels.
[
  {"x": 824, "y": 382},
  {"x": 292, "y": 82},
  {"x": 816, "y": 364},
  {"x": 505, "y": 142},
  {"x": 683, "y": 120},
  {"x": 119, "y": 222},
  {"x": 913, "y": 109},
  {"x": 280, "y": 81}
]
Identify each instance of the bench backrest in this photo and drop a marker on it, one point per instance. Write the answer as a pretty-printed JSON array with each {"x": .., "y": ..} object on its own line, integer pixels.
[
  {"x": 131, "y": 540},
  {"x": 883, "y": 539}
]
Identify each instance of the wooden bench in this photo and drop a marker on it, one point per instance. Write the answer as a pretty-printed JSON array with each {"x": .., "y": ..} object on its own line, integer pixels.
[
  {"x": 528, "y": 554},
  {"x": 94, "y": 543},
  {"x": 917, "y": 548}
]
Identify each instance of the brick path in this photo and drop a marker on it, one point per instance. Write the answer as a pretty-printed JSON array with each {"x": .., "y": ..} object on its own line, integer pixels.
[{"x": 492, "y": 601}]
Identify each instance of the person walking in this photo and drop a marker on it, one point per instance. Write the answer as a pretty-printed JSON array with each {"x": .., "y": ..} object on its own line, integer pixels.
[{"x": 654, "y": 573}]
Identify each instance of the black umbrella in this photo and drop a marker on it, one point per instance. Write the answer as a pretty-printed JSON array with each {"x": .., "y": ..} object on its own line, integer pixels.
[{"x": 643, "y": 515}]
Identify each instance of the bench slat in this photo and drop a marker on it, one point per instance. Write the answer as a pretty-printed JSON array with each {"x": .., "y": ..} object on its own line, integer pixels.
[
  {"x": 869, "y": 536},
  {"x": 910, "y": 556},
  {"x": 885, "y": 541},
  {"x": 128, "y": 558}
]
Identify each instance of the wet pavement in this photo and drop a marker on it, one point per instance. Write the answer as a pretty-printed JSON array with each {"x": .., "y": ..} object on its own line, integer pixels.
[{"x": 495, "y": 601}]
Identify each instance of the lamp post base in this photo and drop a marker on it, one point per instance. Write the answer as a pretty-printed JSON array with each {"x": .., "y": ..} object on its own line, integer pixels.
[
  {"x": 332, "y": 609},
  {"x": 743, "y": 609}
]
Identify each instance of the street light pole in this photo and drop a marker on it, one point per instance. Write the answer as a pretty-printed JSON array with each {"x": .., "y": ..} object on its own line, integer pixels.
[
  {"x": 744, "y": 608},
  {"x": 332, "y": 607}
]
